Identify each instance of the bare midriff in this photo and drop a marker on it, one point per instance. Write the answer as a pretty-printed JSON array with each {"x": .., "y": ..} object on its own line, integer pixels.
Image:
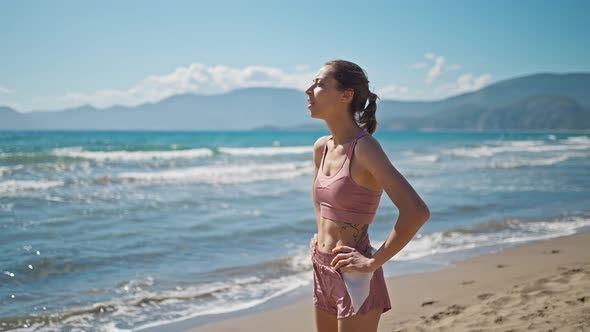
[{"x": 332, "y": 234}]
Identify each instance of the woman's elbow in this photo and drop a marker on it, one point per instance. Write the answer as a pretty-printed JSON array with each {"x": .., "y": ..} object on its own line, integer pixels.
[
  {"x": 424, "y": 215},
  {"x": 421, "y": 213}
]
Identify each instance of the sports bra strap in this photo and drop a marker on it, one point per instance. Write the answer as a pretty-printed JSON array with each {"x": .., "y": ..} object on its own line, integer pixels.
[{"x": 352, "y": 145}]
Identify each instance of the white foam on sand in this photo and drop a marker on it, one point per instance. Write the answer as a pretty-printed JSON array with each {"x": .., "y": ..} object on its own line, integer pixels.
[{"x": 505, "y": 232}]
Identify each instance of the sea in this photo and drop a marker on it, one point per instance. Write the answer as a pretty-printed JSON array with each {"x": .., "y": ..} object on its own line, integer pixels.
[{"x": 140, "y": 230}]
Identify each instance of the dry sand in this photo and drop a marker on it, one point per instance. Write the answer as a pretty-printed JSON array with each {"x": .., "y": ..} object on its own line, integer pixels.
[{"x": 541, "y": 286}]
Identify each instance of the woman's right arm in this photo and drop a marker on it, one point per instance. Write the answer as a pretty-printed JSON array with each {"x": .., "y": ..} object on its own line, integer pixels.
[{"x": 318, "y": 151}]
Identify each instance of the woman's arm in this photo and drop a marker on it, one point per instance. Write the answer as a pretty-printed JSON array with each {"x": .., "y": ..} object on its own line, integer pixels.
[
  {"x": 318, "y": 151},
  {"x": 413, "y": 212}
]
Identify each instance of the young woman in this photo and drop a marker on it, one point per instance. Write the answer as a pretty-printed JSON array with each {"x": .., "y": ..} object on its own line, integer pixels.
[{"x": 351, "y": 173}]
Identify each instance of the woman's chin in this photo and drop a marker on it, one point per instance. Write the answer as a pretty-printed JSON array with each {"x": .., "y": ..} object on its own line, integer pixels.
[{"x": 311, "y": 113}]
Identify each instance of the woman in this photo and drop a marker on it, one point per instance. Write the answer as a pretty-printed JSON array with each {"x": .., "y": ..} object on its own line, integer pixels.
[{"x": 351, "y": 172}]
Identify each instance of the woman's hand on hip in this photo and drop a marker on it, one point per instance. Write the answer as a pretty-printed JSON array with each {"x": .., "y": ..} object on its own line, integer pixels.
[{"x": 350, "y": 259}]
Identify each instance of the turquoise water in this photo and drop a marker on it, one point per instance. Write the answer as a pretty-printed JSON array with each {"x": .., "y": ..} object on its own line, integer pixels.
[{"x": 117, "y": 231}]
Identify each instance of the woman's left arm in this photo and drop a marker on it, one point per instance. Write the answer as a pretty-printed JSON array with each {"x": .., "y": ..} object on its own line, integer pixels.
[{"x": 413, "y": 212}]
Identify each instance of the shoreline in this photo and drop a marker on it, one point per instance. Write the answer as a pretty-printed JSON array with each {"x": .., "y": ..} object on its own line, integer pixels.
[{"x": 540, "y": 285}]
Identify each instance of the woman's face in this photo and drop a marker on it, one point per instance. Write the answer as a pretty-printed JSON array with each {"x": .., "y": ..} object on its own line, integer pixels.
[{"x": 323, "y": 96}]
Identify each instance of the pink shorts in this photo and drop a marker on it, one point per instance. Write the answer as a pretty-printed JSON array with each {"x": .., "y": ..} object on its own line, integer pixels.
[{"x": 330, "y": 292}]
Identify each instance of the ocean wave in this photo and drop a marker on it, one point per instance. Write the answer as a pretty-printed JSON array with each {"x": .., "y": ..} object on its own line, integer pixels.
[
  {"x": 221, "y": 174},
  {"x": 242, "y": 296},
  {"x": 266, "y": 151},
  {"x": 8, "y": 170},
  {"x": 514, "y": 162},
  {"x": 26, "y": 157},
  {"x": 577, "y": 140},
  {"x": 143, "y": 307},
  {"x": 14, "y": 186},
  {"x": 516, "y": 146},
  {"x": 518, "y": 163},
  {"x": 489, "y": 151},
  {"x": 488, "y": 234},
  {"x": 78, "y": 152},
  {"x": 432, "y": 158},
  {"x": 85, "y": 166}
]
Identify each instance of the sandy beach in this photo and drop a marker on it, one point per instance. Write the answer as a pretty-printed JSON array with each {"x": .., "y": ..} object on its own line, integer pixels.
[{"x": 540, "y": 286}]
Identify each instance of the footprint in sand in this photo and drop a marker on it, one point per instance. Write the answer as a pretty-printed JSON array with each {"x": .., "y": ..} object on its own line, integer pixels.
[
  {"x": 502, "y": 301},
  {"x": 531, "y": 316},
  {"x": 453, "y": 310},
  {"x": 541, "y": 281},
  {"x": 468, "y": 282},
  {"x": 578, "y": 300},
  {"x": 485, "y": 296},
  {"x": 571, "y": 271},
  {"x": 428, "y": 303}
]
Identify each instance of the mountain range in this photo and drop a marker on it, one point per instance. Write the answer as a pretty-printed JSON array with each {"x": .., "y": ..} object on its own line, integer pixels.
[{"x": 533, "y": 102}]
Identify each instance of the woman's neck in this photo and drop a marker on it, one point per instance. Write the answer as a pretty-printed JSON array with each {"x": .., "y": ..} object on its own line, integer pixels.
[{"x": 343, "y": 131}]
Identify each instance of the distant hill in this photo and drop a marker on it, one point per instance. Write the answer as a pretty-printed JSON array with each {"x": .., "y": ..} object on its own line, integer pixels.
[
  {"x": 534, "y": 112},
  {"x": 540, "y": 101},
  {"x": 11, "y": 119},
  {"x": 238, "y": 109}
]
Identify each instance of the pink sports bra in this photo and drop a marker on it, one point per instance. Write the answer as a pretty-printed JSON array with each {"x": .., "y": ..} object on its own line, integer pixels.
[{"x": 340, "y": 198}]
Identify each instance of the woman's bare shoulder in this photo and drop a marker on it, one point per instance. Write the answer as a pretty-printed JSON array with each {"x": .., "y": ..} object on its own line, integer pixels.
[
  {"x": 318, "y": 149},
  {"x": 368, "y": 150},
  {"x": 320, "y": 143},
  {"x": 368, "y": 142}
]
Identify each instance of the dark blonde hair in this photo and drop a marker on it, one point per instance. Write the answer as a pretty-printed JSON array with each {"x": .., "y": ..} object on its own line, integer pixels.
[{"x": 350, "y": 76}]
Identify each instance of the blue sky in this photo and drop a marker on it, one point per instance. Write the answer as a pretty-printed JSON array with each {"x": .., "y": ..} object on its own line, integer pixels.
[{"x": 56, "y": 54}]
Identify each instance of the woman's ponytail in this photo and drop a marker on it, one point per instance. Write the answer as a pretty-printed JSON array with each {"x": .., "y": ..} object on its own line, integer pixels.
[{"x": 366, "y": 117}]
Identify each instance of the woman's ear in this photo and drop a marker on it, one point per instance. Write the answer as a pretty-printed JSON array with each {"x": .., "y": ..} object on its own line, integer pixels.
[{"x": 347, "y": 96}]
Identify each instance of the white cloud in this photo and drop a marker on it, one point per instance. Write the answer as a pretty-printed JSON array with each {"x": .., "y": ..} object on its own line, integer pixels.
[
  {"x": 454, "y": 67},
  {"x": 304, "y": 68},
  {"x": 6, "y": 90},
  {"x": 418, "y": 65},
  {"x": 437, "y": 68},
  {"x": 393, "y": 92},
  {"x": 195, "y": 78},
  {"x": 465, "y": 83}
]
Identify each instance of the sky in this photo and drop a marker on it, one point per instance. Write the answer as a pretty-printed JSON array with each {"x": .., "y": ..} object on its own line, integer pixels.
[{"x": 62, "y": 54}]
